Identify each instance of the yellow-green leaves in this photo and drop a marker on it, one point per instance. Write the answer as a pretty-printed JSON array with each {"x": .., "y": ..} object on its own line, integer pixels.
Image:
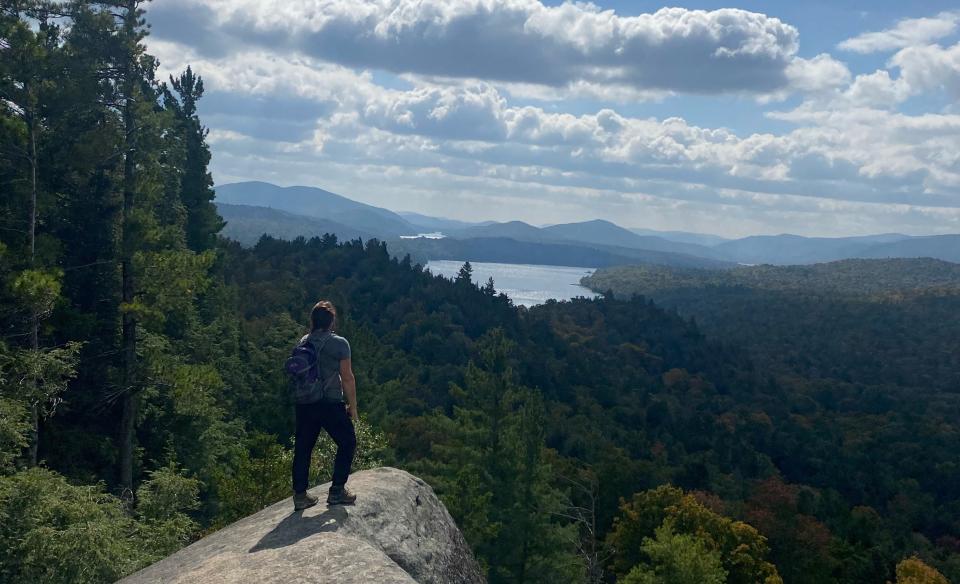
[
  {"x": 740, "y": 547},
  {"x": 914, "y": 571},
  {"x": 38, "y": 290}
]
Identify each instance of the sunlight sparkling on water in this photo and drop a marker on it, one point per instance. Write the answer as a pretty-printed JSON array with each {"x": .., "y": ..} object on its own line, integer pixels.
[{"x": 525, "y": 284}]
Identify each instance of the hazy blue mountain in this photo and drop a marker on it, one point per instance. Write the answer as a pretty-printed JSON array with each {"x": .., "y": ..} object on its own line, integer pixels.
[
  {"x": 943, "y": 247},
  {"x": 517, "y": 230},
  {"x": 796, "y": 249},
  {"x": 442, "y": 224},
  {"x": 600, "y": 232},
  {"x": 318, "y": 203},
  {"x": 881, "y": 237},
  {"x": 380, "y": 222},
  {"x": 349, "y": 219},
  {"x": 247, "y": 223},
  {"x": 308, "y": 201},
  {"x": 595, "y": 231},
  {"x": 704, "y": 239}
]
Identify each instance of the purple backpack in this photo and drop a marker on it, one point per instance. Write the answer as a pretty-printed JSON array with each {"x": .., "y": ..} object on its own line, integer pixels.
[{"x": 303, "y": 369}]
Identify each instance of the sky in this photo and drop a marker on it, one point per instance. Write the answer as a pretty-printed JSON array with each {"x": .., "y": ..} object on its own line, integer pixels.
[{"x": 819, "y": 118}]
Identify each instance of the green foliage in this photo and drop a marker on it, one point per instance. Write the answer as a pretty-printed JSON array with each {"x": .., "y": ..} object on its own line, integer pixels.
[
  {"x": 30, "y": 380},
  {"x": 53, "y": 531},
  {"x": 38, "y": 377},
  {"x": 739, "y": 548},
  {"x": 171, "y": 282},
  {"x": 38, "y": 289},
  {"x": 493, "y": 476},
  {"x": 163, "y": 501},
  {"x": 855, "y": 277},
  {"x": 166, "y": 493},
  {"x": 675, "y": 558},
  {"x": 261, "y": 476},
  {"x": 14, "y": 426},
  {"x": 371, "y": 452}
]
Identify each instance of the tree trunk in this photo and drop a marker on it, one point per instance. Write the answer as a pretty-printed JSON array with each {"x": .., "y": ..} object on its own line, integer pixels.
[
  {"x": 129, "y": 340},
  {"x": 34, "y": 317}
]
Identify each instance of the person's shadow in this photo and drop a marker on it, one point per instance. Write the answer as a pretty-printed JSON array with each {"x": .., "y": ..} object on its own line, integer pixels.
[{"x": 295, "y": 527}]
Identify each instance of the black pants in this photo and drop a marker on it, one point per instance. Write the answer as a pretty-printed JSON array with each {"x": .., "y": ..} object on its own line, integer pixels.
[{"x": 311, "y": 418}]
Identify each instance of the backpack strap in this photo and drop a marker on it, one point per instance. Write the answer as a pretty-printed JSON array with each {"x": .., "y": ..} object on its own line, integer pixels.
[{"x": 318, "y": 347}]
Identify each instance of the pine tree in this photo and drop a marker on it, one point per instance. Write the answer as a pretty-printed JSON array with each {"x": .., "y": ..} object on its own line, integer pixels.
[
  {"x": 465, "y": 275},
  {"x": 129, "y": 54},
  {"x": 25, "y": 87},
  {"x": 196, "y": 185},
  {"x": 493, "y": 477}
]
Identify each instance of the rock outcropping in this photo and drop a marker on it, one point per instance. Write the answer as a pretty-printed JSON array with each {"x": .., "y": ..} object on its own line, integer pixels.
[{"x": 398, "y": 532}]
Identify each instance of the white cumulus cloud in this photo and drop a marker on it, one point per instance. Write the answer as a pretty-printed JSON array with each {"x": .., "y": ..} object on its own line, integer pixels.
[
  {"x": 909, "y": 32},
  {"x": 930, "y": 68},
  {"x": 515, "y": 101},
  {"x": 522, "y": 41}
]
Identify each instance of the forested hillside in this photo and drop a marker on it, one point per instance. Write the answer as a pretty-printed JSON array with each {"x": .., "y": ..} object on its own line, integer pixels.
[
  {"x": 884, "y": 323},
  {"x": 143, "y": 402},
  {"x": 855, "y": 277}
]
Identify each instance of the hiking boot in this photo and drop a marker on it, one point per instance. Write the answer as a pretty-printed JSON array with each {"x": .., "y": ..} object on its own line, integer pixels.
[
  {"x": 303, "y": 500},
  {"x": 340, "y": 496}
]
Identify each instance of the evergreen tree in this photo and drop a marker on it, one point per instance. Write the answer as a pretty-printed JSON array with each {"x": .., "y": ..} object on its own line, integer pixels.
[
  {"x": 128, "y": 57},
  {"x": 465, "y": 275},
  {"x": 677, "y": 559},
  {"x": 196, "y": 185},
  {"x": 25, "y": 86},
  {"x": 493, "y": 477}
]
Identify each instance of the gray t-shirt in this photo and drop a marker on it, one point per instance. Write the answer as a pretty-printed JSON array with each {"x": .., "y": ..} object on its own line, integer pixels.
[{"x": 335, "y": 349}]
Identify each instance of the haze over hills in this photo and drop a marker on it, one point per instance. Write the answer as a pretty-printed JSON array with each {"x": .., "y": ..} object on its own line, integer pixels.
[
  {"x": 706, "y": 239},
  {"x": 795, "y": 249},
  {"x": 428, "y": 223},
  {"x": 511, "y": 229},
  {"x": 594, "y": 243},
  {"x": 945, "y": 247},
  {"x": 511, "y": 242},
  {"x": 317, "y": 203},
  {"x": 602, "y": 232},
  {"x": 246, "y": 224}
]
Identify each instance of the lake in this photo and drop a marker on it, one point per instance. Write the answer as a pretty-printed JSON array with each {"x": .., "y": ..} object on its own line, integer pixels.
[{"x": 525, "y": 284}]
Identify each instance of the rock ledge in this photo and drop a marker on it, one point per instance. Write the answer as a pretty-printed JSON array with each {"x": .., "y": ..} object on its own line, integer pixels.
[{"x": 398, "y": 532}]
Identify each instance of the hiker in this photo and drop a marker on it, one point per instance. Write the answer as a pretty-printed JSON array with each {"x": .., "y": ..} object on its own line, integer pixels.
[{"x": 325, "y": 393}]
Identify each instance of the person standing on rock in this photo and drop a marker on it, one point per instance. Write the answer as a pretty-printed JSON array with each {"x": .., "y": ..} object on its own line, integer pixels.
[{"x": 325, "y": 392}]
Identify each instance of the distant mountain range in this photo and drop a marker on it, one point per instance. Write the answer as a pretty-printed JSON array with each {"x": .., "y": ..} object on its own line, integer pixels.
[
  {"x": 247, "y": 223},
  {"x": 318, "y": 204},
  {"x": 255, "y": 208},
  {"x": 430, "y": 224}
]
